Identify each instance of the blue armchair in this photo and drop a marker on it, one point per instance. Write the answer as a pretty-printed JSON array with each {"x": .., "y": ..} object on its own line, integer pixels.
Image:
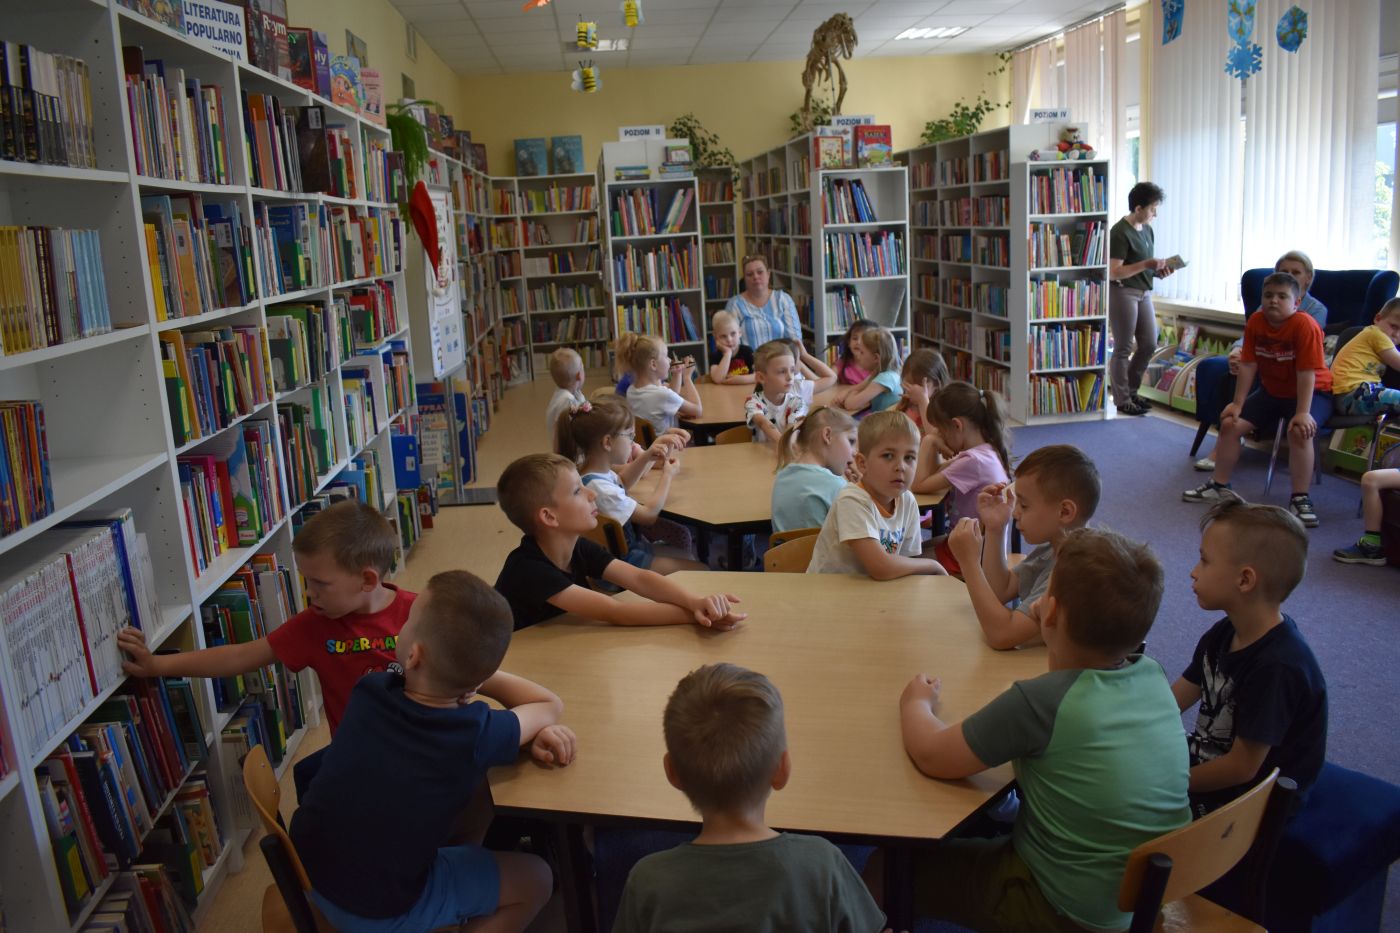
[{"x": 1352, "y": 297}]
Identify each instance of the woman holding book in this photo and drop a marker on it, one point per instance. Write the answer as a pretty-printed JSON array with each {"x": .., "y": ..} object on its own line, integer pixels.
[
  {"x": 1131, "y": 268},
  {"x": 763, "y": 313}
]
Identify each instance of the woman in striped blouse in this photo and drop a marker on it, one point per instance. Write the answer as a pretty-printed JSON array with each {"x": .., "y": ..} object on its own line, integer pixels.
[{"x": 763, "y": 313}]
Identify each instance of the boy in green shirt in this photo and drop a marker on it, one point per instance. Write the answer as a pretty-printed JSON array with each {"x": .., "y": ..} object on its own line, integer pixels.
[{"x": 1096, "y": 746}]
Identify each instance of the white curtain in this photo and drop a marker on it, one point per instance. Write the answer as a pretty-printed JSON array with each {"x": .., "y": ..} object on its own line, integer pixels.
[
  {"x": 1194, "y": 132},
  {"x": 1035, "y": 80},
  {"x": 1310, "y": 139},
  {"x": 1092, "y": 55}
]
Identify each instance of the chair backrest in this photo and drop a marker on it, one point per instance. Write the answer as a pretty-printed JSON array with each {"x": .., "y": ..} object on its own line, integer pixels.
[
  {"x": 646, "y": 432},
  {"x": 739, "y": 434},
  {"x": 266, "y": 794},
  {"x": 782, "y": 537},
  {"x": 605, "y": 393},
  {"x": 792, "y": 557},
  {"x": 608, "y": 533},
  {"x": 1185, "y": 860},
  {"x": 1352, "y": 296}
]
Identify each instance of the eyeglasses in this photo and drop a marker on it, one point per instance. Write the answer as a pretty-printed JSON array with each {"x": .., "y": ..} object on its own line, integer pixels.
[{"x": 630, "y": 435}]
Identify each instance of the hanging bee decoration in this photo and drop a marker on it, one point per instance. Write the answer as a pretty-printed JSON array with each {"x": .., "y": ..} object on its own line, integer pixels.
[
  {"x": 588, "y": 78},
  {"x": 587, "y": 35},
  {"x": 632, "y": 13}
]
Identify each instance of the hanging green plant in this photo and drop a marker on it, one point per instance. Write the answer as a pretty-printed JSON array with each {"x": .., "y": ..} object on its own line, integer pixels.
[
  {"x": 822, "y": 108},
  {"x": 966, "y": 118},
  {"x": 705, "y": 150},
  {"x": 410, "y": 137}
]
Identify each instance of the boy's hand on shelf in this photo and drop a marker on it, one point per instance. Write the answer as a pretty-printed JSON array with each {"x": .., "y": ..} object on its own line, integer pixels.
[
  {"x": 715, "y": 612},
  {"x": 554, "y": 745},
  {"x": 141, "y": 663},
  {"x": 1302, "y": 425},
  {"x": 923, "y": 690},
  {"x": 966, "y": 542},
  {"x": 995, "y": 504}
]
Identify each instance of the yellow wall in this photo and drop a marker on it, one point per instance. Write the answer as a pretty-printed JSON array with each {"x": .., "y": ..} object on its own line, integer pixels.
[
  {"x": 745, "y": 104},
  {"x": 383, "y": 29}
]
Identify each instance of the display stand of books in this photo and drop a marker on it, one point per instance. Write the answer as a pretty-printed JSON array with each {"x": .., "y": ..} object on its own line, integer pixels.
[
  {"x": 507, "y": 243},
  {"x": 563, "y": 267},
  {"x": 837, "y": 239},
  {"x": 1011, "y": 269},
  {"x": 651, "y": 230},
  {"x": 1170, "y": 377},
  {"x": 206, "y": 342},
  {"x": 719, "y": 239}
]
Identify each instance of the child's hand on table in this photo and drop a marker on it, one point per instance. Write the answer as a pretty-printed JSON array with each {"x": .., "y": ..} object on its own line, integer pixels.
[
  {"x": 554, "y": 745},
  {"x": 715, "y": 612},
  {"x": 923, "y": 690}
]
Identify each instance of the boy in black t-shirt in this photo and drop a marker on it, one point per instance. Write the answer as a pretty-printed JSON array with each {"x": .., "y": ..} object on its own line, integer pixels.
[
  {"x": 731, "y": 363},
  {"x": 548, "y": 574},
  {"x": 1262, "y": 695},
  {"x": 375, "y": 826}
]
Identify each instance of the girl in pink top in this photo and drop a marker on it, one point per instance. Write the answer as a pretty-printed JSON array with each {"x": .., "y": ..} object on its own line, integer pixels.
[{"x": 847, "y": 372}]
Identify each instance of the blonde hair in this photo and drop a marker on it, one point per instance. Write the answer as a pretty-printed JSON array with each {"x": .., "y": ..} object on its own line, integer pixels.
[
  {"x": 798, "y": 438},
  {"x": 527, "y": 485},
  {"x": 465, "y": 626},
  {"x": 1298, "y": 256},
  {"x": 981, "y": 408},
  {"x": 352, "y": 534},
  {"x": 638, "y": 351},
  {"x": 1389, "y": 308},
  {"x": 769, "y": 352},
  {"x": 724, "y": 733},
  {"x": 722, "y": 319},
  {"x": 880, "y": 341},
  {"x": 565, "y": 365},
  {"x": 881, "y": 424},
  {"x": 581, "y": 430}
]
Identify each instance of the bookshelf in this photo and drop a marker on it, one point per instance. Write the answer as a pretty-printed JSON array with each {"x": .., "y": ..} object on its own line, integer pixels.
[
  {"x": 563, "y": 267},
  {"x": 719, "y": 238},
  {"x": 989, "y": 291},
  {"x": 1170, "y": 377},
  {"x": 507, "y": 242},
  {"x": 837, "y": 260},
  {"x": 312, "y": 410}
]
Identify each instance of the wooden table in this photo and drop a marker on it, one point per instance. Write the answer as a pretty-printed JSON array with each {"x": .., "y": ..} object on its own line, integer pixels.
[
  {"x": 840, "y": 649},
  {"x": 722, "y": 406}
]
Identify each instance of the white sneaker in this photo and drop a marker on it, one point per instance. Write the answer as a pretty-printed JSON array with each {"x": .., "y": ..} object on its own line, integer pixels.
[
  {"x": 1205, "y": 464},
  {"x": 1209, "y": 491}
]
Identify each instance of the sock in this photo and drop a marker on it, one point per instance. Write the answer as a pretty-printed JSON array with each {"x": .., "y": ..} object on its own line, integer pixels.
[{"x": 1370, "y": 539}]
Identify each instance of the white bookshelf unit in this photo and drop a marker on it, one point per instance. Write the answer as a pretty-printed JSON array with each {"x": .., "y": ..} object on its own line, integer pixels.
[
  {"x": 111, "y": 439},
  {"x": 1005, "y": 317},
  {"x": 563, "y": 267},
  {"x": 507, "y": 245},
  {"x": 822, "y": 250},
  {"x": 719, "y": 238}
]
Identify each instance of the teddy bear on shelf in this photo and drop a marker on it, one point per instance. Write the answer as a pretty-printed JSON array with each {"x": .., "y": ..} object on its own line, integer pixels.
[{"x": 1072, "y": 146}]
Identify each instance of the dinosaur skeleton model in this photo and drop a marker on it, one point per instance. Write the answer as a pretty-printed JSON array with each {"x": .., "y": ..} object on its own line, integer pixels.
[{"x": 833, "y": 40}]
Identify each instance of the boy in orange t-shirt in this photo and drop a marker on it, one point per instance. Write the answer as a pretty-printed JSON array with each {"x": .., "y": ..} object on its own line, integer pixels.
[{"x": 1285, "y": 349}]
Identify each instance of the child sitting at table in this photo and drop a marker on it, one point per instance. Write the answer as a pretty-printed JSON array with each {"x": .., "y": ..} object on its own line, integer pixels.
[
  {"x": 566, "y": 369},
  {"x": 726, "y": 750},
  {"x": 1358, "y": 370},
  {"x": 922, "y": 375},
  {"x": 849, "y": 372},
  {"x": 548, "y": 573},
  {"x": 1095, "y": 744},
  {"x": 731, "y": 363},
  {"x": 775, "y": 404},
  {"x": 816, "y": 458},
  {"x": 873, "y": 526},
  {"x": 599, "y": 439},
  {"x": 812, "y": 375},
  {"x": 1056, "y": 491},
  {"x": 405, "y": 763},
  {"x": 876, "y": 352},
  {"x": 661, "y": 389}
]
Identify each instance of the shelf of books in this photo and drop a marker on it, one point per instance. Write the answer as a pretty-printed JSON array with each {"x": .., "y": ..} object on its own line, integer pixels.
[
  {"x": 563, "y": 267},
  {"x": 1028, "y": 322},
  {"x": 1170, "y": 377},
  {"x": 652, "y": 241},
  {"x": 836, "y": 238},
  {"x": 205, "y": 343},
  {"x": 719, "y": 238},
  {"x": 507, "y": 236}
]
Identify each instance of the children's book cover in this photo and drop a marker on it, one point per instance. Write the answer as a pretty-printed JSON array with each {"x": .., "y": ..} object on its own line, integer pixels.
[
  {"x": 828, "y": 152},
  {"x": 321, "y": 63},
  {"x": 873, "y": 146},
  {"x": 167, "y": 12},
  {"x": 346, "y": 90},
  {"x": 531, "y": 156},
  {"x": 373, "y": 86},
  {"x": 300, "y": 58},
  {"x": 567, "y": 154},
  {"x": 479, "y": 157}
]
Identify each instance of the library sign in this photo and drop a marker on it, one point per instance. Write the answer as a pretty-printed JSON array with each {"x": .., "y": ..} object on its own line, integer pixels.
[
  {"x": 625, "y": 133},
  {"x": 217, "y": 24}
]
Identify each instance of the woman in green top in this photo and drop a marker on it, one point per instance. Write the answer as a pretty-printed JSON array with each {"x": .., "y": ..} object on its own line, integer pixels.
[{"x": 1130, "y": 315}]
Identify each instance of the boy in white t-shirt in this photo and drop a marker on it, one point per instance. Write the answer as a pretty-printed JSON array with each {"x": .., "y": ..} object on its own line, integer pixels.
[
  {"x": 873, "y": 526},
  {"x": 566, "y": 369},
  {"x": 660, "y": 392},
  {"x": 777, "y": 401}
]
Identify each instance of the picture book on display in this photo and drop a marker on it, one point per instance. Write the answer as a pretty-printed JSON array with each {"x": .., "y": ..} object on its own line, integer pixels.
[
  {"x": 166, "y": 12},
  {"x": 478, "y": 157},
  {"x": 266, "y": 24},
  {"x": 567, "y": 154},
  {"x": 346, "y": 89},
  {"x": 373, "y": 86},
  {"x": 848, "y": 145},
  {"x": 531, "y": 156},
  {"x": 828, "y": 152},
  {"x": 301, "y": 59},
  {"x": 873, "y": 146}
]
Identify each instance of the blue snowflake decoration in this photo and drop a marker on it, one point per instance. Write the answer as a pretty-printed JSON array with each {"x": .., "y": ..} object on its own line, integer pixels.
[
  {"x": 1245, "y": 59},
  {"x": 1172, "y": 11},
  {"x": 1292, "y": 29},
  {"x": 1240, "y": 19}
]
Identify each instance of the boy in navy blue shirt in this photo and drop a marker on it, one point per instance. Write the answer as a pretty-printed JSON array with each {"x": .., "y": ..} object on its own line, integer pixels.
[
  {"x": 374, "y": 827},
  {"x": 1263, "y": 699}
]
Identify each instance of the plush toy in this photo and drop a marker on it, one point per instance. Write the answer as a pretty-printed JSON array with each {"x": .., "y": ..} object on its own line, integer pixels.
[{"x": 1072, "y": 146}]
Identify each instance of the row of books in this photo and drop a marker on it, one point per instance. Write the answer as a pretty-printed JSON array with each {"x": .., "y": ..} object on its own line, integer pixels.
[
  {"x": 1060, "y": 395},
  {"x": 1050, "y": 298},
  {"x": 564, "y": 262},
  {"x": 45, "y": 107},
  {"x": 925, "y": 246},
  {"x": 767, "y": 221},
  {"x": 505, "y": 234},
  {"x": 763, "y": 184},
  {"x": 676, "y": 160},
  {"x": 637, "y": 211},
  {"x": 957, "y": 332},
  {"x": 362, "y": 422},
  {"x": 861, "y": 255},
  {"x": 398, "y": 377},
  {"x": 51, "y": 287},
  {"x": 230, "y": 492},
  {"x": 717, "y": 224},
  {"x": 306, "y": 341},
  {"x": 1050, "y": 247},
  {"x": 981, "y": 249},
  {"x": 844, "y": 201},
  {"x": 719, "y": 288},
  {"x": 719, "y": 253},
  {"x": 668, "y": 318},
  {"x": 990, "y": 166},
  {"x": 200, "y": 255},
  {"x": 143, "y": 900},
  {"x": 295, "y": 149},
  {"x": 921, "y": 175},
  {"x": 661, "y": 268},
  {"x": 984, "y": 297},
  {"x": 373, "y": 312},
  {"x": 991, "y": 377},
  {"x": 213, "y": 378},
  {"x": 569, "y": 329},
  {"x": 716, "y": 192},
  {"x": 471, "y": 236},
  {"x": 843, "y": 308},
  {"x": 510, "y": 301},
  {"x": 294, "y": 243},
  {"x": 309, "y": 442},
  {"x": 555, "y": 297},
  {"x": 959, "y": 364},
  {"x": 409, "y": 505},
  {"x": 925, "y": 287},
  {"x": 993, "y": 343},
  {"x": 559, "y": 198},
  {"x": 990, "y": 211},
  {"x": 504, "y": 202},
  {"x": 585, "y": 232},
  {"x": 177, "y": 123},
  {"x": 508, "y": 265},
  {"x": 365, "y": 242},
  {"x": 66, "y": 595},
  {"x": 386, "y": 180},
  {"x": 1068, "y": 191}
]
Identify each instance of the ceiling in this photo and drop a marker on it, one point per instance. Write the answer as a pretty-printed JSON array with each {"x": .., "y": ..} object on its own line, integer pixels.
[{"x": 496, "y": 36}]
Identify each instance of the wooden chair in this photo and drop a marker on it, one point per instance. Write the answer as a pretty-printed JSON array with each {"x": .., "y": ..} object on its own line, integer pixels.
[
  {"x": 607, "y": 393},
  {"x": 1163, "y": 875},
  {"x": 646, "y": 432},
  {"x": 609, "y": 534},
  {"x": 285, "y": 906},
  {"x": 740, "y": 434},
  {"x": 783, "y": 537},
  {"x": 792, "y": 557}
]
